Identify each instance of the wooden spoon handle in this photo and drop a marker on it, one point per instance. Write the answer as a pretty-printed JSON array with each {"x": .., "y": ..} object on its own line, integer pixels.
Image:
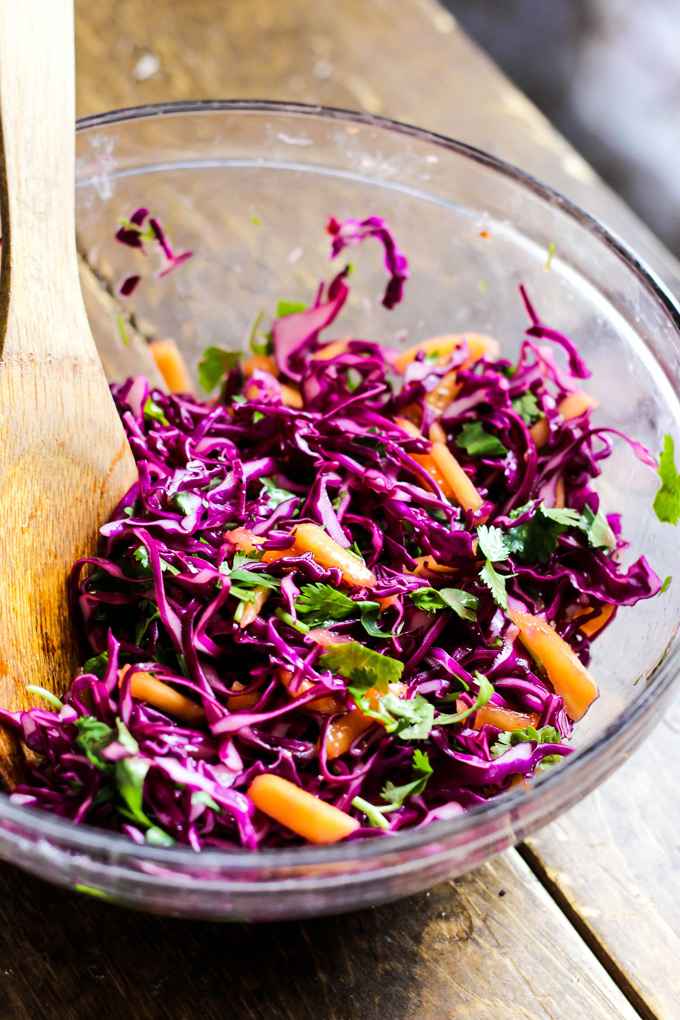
[{"x": 37, "y": 180}]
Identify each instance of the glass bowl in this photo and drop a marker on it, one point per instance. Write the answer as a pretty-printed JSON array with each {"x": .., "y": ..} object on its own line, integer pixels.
[{"x": 248, "y": 187}]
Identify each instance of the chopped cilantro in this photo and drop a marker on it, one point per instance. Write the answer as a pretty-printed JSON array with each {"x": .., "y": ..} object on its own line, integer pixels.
[
  {"x": 364, "y": 667},
  {"x": 492, "y": 542},
  {"x": 665, "y": 585},
  {"x": 477, "y": 442},
  {"x": 396, "y": 795},
  {"x": 527, "y": 408},
  {"x": 536, "y": 540},
  {"x": 153, "y": 412},
  {"x": 551, "y": 251},
  {"x": 461, "y": 602},
  {"x": 667, "y": 500},
  {"x": 214, "y": 365},
  {"x": 495, "y": 582},
  {"x": 274, "y": 494},
  {"x": 97, "y": 665},
  {"x": 322, "y": 604},
  {"x": 47, "y": 695},
  {"x": 187, "y": 502},
  {"x": 409, "y": 718},
  {"x": 597, "y": 528},
  {"x": 546, "y": 735},
  {"x": 484, "y": 695},
  {"x": 285, "y": 308}
]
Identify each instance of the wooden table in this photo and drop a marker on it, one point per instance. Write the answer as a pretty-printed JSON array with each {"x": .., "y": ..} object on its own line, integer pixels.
[{"x": 584, "y": 920}]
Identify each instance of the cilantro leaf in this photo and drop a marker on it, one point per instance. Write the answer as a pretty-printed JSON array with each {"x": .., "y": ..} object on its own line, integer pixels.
[
  {"x": 214, "y": 365},
  {"x": 546, "y": 735},
  {"x": 153, "y": 412},
  {"x": 485, "y": 694},
  {"x": 274, "y": 494},
  {"x": 409, "y": 718},
  {"x": 536, "y": 540},
  {"x": 130, "y": 774},
  {"x": 364, "y": 667},
  {"x": 187, "y": 502},
  {"x": 396, "y": 795},
  {"x": 667, "y": 500},
  {"x": 527, "y": 408},
  {"x": 478, "y": 443},
  {"x": 495, "y": 583},
  {"x": 289, "y": 308},
  {"x": 561, "y": 515},
  {"x": 598, "y": 530},
  {"x": 93, "y": 737},
  {"x": 493, "y": 543},
  {"x": 665, "y": 585},
  {"x": 322, "y": 604},
  {"x": 461, "y": 602},
  {"x": 97, "y": 665}
]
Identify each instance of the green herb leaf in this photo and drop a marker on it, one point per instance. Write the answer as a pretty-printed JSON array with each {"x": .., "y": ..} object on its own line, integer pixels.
[
  {"x": 495, "y": 583},
  {"x": 484, "y": 695},
  {"x": 477, "y": 442},
  {"x": 551, "y": 251},
  {"x": 214, "y": 365},
  {"x": 158, "y": 837},
  {"x": 93, "y": 737},
  {"x": 422, "y": 770},
  {"x": 130, "y": 774},
  {"x": 364, "y": 667},
  {"x": 97, "y": 665},
  {"x": 47, "y": 695},
  {"x": 289, "y": 308},
  {"x": 373, "y": 812},
  {"x": 665, "y": 585},
  {"x": 546, "y": 735},
  {"x": 527, "y": 408},
  {"x": 274, "y": 494},
  {"x": 536, "y": 541},
  {"x": 322, "y": 604},
  {"x": 409, "y": 718},
  {"x": 187, "y": 502},
  {"x": 432, "y": 599},
  {"x": 493, "y": 543},
  {"x": 596, "y": 526},
  {"x": 153, "y": 412},
  {"x": 667, "y": 500}
]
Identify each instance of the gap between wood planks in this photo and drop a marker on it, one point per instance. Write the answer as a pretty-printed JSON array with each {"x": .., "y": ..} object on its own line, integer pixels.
[{"x": 580, "y": 925}]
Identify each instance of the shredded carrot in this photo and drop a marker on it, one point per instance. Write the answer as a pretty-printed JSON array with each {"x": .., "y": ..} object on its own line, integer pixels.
[
  {"x": 291, "y": 397},
  {"x": 573, "y": 405},
  {"x": 327, "y": 553},
  {"x": 425, "y": 459},
  {"x": 325, "y": 637},
  {"x": 504, "y": 718},
  {"x": 301, "y": 812},
  {"x": 559, "y": 493},
  {"x": 384, "y": 604},
  {"x": 463, "y": 488},
  {"x": 145, "y": 687},
  {"x": 569, "y": 677},
  {"x": 331, "y": 350},
  {"x": 244, "y": 540},
  {"x": 263, "y": 362},
  {"x": 596, "y": 623},
  {"x": 251, "y": 610},
  {"x": 241, "y": 701},
  {"x": 327, "y": 705},
  {"x": 437, "y": 434},
  {"x": 172, "y": 366},
  {"x": 343, "y": 731},
  {"x": 478, "y": 345},
  {"x": 428, "y": 565},
  {"x": 444, "y": 393}
]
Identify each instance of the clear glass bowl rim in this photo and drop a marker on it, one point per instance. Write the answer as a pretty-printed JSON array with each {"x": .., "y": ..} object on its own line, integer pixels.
[{"x": 86, "y": 838}]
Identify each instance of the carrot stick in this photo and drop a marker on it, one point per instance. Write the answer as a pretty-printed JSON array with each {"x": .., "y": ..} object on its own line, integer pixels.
[
  {"x": 504, "y": 718},
  {"x": 240, "y": 701},
  {"x": 172, "y": 366},
  {"x": 444, "y": 346},
  {"x": 301, "y": 812},
  {"x": 244, "y": 540},
  {"x": 291, "y": 397},
  {"x": 444, "y": 393},
  {"x": 145, "y": 687},
  {"x": 425, "y": 459},
  {"x": 327, "y": 705},
  {"x": 329, "y": 351},
  {"x": 463, "y": 489},
  {"x": 596, "y": 623},
  {"x": 263, "y": 362},
  {"x": 573, "y": 405},
  {"x": 569, "y": 677},
  {"x": 251, "y": 610},
  {"x": 327, "y": 553}
]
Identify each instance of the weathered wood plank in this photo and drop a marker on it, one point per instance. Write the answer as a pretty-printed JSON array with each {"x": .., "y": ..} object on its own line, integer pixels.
[
  {"x": 492, "y": 946},
  {"x": 615, "y": 859}
]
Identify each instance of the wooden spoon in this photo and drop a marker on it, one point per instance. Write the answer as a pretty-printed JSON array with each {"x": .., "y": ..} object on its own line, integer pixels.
[{"x": 65, "y": 461}]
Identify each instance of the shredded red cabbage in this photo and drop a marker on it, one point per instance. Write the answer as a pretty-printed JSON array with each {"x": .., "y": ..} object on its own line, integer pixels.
[{"x": 205, "y": 584}]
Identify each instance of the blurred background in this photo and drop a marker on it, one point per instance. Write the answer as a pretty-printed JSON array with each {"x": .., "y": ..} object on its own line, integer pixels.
[{"x": 607, "y": 75}]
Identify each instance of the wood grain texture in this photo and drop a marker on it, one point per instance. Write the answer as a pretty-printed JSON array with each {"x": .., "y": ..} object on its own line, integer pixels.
[
  {"x": 615, "y": 861},
  {"x": 66, "y": 461},
  {"x": 492, "y": 946}
]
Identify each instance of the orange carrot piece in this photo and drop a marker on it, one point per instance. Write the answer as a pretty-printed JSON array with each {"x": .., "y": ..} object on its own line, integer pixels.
[
  {"x": 573, "y": 405},
  {"x": 261, "y": 362},
  {"x": 325, "y": 637},
  {"x": 384, "y": 604},
  {"x": 425, "y": 459},
  {"x": 428, "y": 565},
  {"x": 251, "y": 610},
  {"x": 327, "y": 552},
  {"x": 569, "y": 677},
  {"x": 241, "y": 701},
  {"x": 444, "y": 393},
  {"x": 291, "y": 397},
  {"x": 331, "y": 350},
  {"x": 301, "y": 812},
  {"x": 437, "y": 434},
  {"x": 444, "y": 346},
  {"x": 327, "y": 704},
  {"x": 145, "y": 687},
  {"x": 596, "y": 623},
  {"x": 344, "y": 730},
  {"x": 463, "y": 488},
  {"x": 504, "y": 718},
  {"x": 172, "y": 366},
  {"x": 559, "y": 493},
  {"x": 244, "y": 540}
]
